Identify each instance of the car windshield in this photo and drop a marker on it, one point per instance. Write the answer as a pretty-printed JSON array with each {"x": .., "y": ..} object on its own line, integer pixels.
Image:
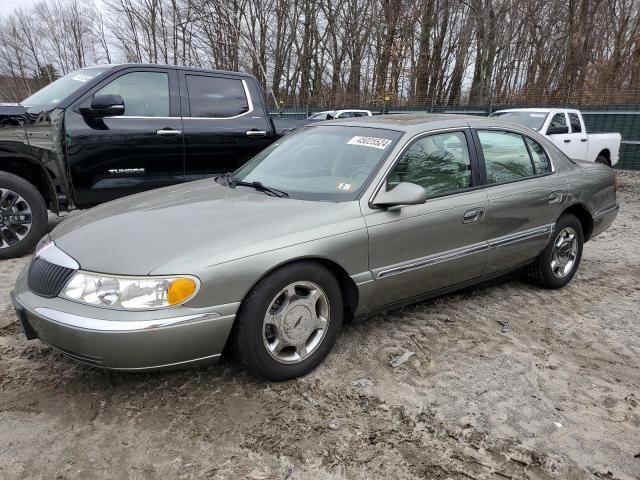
[
  {"x": 321, "y": 115},
  {"x": 533, "y": 120},
  {"x": 51, "y": 95},
  {"x": 324, "y": 163}
]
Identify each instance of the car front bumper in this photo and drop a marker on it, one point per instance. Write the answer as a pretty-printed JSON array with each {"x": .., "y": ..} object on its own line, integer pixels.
[{"x": 124, "y": 340}]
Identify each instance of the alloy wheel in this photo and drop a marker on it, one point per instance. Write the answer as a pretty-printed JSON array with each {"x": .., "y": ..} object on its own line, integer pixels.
[
  {"x": 296, "y": 322},
  {"x": 564, "y": 253},
  {"x": 15, "y": 218}
]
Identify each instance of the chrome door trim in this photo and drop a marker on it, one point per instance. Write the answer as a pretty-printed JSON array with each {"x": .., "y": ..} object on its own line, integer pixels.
[
  {"x": 449, "y": 255},
  {"x": 246, "y": 91},
  {"x": 434, "y": 259},
  {"x": 521, "y": 236}
]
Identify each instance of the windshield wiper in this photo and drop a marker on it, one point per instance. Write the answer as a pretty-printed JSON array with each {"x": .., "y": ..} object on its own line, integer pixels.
[{"x": 258, "y": 186}]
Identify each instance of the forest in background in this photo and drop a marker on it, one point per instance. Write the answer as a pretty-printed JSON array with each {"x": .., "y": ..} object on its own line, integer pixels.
[{"x": 347, "y": 52}]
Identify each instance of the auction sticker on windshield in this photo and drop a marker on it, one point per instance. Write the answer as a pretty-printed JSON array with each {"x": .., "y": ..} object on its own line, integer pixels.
[{"x": 374, "y": 142}]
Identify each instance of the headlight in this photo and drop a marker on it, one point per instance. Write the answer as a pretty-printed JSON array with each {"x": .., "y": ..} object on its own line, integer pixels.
[{"x": 130, "y": 293}]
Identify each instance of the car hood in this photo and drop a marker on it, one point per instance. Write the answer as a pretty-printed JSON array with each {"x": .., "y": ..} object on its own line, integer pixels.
[{"x": 176, "y": 229}]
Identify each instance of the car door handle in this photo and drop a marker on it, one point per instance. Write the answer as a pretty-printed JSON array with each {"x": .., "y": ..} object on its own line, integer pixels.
[
  {"x": 168, "y": 132},
  {"x": 256, "y": 133},
  {"x": 583, "y": 139},
  {"x": 555, "y": 197},
  {"x": 473, "y": 215},
  {"x": 567, "y": 141}
]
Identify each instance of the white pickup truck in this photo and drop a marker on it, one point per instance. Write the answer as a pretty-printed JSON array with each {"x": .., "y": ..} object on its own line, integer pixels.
[{"x": 566, "y": 129}]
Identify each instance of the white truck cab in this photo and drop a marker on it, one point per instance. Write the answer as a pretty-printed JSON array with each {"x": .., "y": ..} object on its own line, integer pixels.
[{"x": 565, "y": 128}]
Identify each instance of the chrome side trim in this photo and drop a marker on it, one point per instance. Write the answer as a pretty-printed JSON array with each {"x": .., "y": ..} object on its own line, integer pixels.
[
  {"x": 521, "y": 236},
  {"x": 605, "y": 210},
  {"x": 89, "y": 323},
  {"x": 53, "y": 254},
  {"x": 433, "y": 260},
  {"x": 463, "y": 252}
]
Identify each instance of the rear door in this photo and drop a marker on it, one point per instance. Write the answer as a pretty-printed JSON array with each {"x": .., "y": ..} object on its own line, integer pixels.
[
  {"x": 112, "y": 157},
  {"x": 423, "y": 248},
  {"x": 225, "y": 123},
  {"x": 524, "y": 192}
]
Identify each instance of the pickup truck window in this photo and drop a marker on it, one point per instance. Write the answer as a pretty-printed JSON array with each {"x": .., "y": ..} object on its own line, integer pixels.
[
  {"x": 576, "y": 127},
  {"x": 216, "y": 97},
  {"x": 51, "y": 95},
  {"x": 438, "y": 163},
  {"x": 506, "y": 156},
  {"x": 145, "y": 94},
  {"x": 558, "y": 120}
]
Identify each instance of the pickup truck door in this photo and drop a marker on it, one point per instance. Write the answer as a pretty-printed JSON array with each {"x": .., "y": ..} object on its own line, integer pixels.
[
  {"x": 580, "y": 141},
  {"x": 111, "y": 157},
  {"x": 225, "y": 122},
  {"x": 559, "y": 133},
  {"x": 419, "y": 249}
]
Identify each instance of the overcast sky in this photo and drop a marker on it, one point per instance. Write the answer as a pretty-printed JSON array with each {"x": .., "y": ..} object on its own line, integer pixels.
[{"x": 8, "y": 6}]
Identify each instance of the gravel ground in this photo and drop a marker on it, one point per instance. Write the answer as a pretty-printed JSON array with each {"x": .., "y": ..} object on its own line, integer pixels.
[{"x": 553, "y": 394}]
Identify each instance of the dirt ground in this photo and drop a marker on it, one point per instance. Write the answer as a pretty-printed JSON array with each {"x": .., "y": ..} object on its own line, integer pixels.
[{"x": 553, "y": 394}]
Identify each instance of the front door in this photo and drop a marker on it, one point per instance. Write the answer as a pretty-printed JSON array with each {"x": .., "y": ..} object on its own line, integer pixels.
[
  {"x": 525, "y": 195},
  {"x": 112, "y": 157},
  {"x": 423, "y": 248},
  {"x": 224, "y": 123}
]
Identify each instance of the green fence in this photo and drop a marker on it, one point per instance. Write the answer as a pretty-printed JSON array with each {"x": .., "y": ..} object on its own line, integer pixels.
[{"x": 624, "y": 119}]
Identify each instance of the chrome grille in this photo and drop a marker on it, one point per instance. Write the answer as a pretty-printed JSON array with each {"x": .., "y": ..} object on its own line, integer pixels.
[{"x": 47, "y": 279}]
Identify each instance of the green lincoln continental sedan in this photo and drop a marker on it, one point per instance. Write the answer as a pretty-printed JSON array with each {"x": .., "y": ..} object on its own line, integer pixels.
[{"x": 339, "y": 219}]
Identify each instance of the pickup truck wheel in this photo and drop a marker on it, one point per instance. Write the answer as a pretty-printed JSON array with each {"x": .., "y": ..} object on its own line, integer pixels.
[
  {"x": 603, "y": 160},
  {"x": 558, "y": 263},
  {"x": 289, "y": 322},
  {"x": 23, "y": 216}
]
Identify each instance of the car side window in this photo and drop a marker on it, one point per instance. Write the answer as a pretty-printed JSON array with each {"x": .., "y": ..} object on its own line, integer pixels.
[
  {"x": 541, "y": 162},
  {"x": 145, "y": 94},
  {"x": 558, "y": 120},
  {"x": 505, "y": 156},
  {"x": 576, "y": 127},
  {"x": 438, "y": 163},
  {"x": 216, "y": 97}
]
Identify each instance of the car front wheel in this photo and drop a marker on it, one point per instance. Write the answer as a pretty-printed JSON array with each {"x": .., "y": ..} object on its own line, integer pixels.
[
  {"x": 289, "y": 322},
  {"x": 558, "y": 263},
  {"x": 23, "y": 216}
]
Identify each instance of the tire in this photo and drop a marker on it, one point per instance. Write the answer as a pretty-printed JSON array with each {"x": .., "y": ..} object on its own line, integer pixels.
[
  {"x": 603, "y": 160},
  {"x": 559, "y": 252},
  {"x": 16, "y": 236},
  {"x": 257, "y": 342}
]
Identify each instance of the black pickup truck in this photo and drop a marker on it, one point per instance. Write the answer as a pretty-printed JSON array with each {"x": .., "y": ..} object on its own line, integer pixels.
[{"x": 104, "y": 132}]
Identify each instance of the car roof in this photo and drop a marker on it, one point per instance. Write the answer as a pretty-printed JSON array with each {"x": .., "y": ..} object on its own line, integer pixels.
[{"x": 407, "y": 122}]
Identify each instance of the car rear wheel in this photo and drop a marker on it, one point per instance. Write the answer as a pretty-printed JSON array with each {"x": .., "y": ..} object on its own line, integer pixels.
[
  {"x": 603, "y": 160},
  {"x": 558, "y": 263},
  {"x": 23, "y": 216},
  {"x": 289, "y": 322}
]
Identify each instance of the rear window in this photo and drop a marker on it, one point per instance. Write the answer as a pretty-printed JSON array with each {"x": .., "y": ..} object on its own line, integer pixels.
[{"x": 216, "y": 97}]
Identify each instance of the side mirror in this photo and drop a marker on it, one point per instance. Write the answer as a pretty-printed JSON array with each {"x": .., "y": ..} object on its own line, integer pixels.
[
  {"x": 404, "y": 193},
  {"x": 557, "y": 130},
  {"x": 107, "y": 105}
]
